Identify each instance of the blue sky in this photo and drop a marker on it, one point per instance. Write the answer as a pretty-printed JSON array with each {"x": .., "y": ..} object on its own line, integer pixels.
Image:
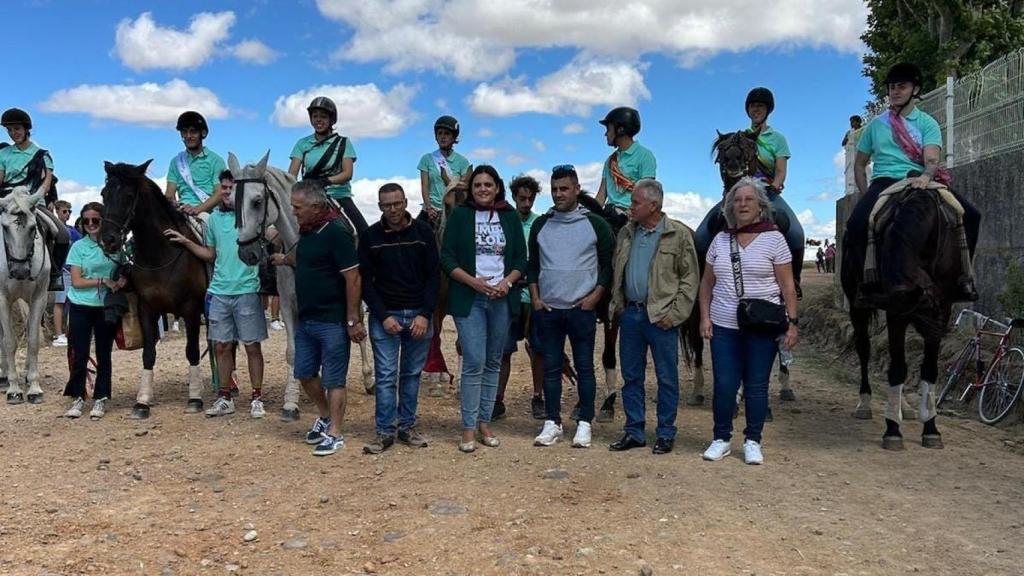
[{"x": 528, "y": 79}]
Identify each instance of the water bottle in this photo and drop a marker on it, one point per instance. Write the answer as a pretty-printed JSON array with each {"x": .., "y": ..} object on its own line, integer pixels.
[{"x": 785, "y": 356}]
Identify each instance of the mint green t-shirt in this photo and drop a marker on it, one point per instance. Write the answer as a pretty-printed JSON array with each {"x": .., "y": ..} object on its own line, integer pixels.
[
  {"x": 93, "y": 264},
  {"x": 527, "y": 226},
  {"x": 888, "y": 159},
  {"x": 457, "y": 165},
  {"x": 635, "y": 162},
  {"x": 231, "y": 276},
  {"x": 309, "y": 152},
  {"x": 771, "y": 145},
  {"x": 205, "y": 169},
  {"x": 13, "y": 161}
]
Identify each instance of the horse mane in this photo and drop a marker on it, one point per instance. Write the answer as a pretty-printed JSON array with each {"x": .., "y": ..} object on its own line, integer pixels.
[
  {"x": 589, "y": 202},
  {"x": 130, "y": 172}
]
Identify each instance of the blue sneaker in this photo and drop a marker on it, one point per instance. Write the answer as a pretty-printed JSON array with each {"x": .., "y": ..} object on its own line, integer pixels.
[
  {"x": 328, "y": 445},
  {"x": 316, "y": 433}
]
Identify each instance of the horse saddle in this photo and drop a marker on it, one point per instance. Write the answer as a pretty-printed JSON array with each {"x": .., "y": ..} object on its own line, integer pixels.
[{"x": 892, "y": 197}]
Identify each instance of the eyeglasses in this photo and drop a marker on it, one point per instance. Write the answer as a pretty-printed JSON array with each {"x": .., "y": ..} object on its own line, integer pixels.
[
  {"x": 563, "y": 168},
  {"x": 65, "y": 211},
  {"x": 391, "y": 205},
  {"x": 91, "y": 221}
]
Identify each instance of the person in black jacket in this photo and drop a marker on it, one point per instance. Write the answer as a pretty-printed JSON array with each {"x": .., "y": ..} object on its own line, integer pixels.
[{"x": 399, "y": 264}]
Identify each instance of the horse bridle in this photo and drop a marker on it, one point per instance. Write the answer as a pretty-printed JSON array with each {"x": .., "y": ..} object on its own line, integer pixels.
[
  {"x": 27, "y": 259},
  {"x": 122, "y": 227},
  {"x": 240, "y": 201}
]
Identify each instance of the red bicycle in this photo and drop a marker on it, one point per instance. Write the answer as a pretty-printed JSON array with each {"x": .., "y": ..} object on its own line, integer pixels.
[{"x": 998, "y": 385}]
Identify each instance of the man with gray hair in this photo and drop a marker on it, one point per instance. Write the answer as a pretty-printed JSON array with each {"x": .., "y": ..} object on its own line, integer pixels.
[
  {"x": 328, "y": 290},
  {"x": 654, "y": 287}
]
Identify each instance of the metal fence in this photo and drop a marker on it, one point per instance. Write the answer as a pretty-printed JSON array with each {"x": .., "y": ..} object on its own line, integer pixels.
[{"x": 987, "y": 111}]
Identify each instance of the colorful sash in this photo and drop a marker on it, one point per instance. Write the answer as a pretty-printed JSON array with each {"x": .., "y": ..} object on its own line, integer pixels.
[
  {"x": 186, "y": 175},
  {"x": 912, "y": 148},
  {"x": 622, "y": 182}
]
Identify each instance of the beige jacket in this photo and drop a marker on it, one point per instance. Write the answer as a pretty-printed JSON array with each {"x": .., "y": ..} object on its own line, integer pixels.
[{"x": 674, "y": 277}]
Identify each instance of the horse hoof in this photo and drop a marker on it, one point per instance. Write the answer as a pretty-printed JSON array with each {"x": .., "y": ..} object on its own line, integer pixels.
[
  {"x": 289, "y": 414},
  {"x": 787, "y": 395},
  {"x": 862, "y": 413},
  {"x": 892, "y": 442},
  {"x": 436, "y": 391},
  {"x": 194, "y": 406},
  {"x": 35, "y": 398},
  {"x": 15, "y": 398},
  {"x": 139, "y": 412},
  {"x": 370, "y": 388},
  {"x": 695, "y": 400},
  {"x": 932, "y": 441}
]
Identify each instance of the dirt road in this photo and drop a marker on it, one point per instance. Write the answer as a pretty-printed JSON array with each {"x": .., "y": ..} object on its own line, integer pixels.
[{"x": 177, "y": 494}]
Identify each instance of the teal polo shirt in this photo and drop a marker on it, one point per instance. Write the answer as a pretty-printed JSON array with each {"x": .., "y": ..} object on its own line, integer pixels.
[
  {"x": 638, "y": 266},
  {"x": 13, "y": 161},
  {"x": 231, "y": 276},
  {"x": 635, "y": 162},
  {"x": 888, "y": 159},
  {"x": 457, "y": 167},
  {"x": 309, "y": 151},
  {"x": 771, "y": 145},
  {"x": 93, "y": 264},
  {"x": 205, "y": 168},
  {"x": 527, "y": 226}
]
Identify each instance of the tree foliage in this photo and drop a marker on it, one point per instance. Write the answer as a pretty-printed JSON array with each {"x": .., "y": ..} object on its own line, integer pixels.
[{"x": 943, "y": 37}]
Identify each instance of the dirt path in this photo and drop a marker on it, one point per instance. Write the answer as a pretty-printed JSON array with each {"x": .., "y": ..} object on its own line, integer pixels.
[{"x": 176, "y": 494}]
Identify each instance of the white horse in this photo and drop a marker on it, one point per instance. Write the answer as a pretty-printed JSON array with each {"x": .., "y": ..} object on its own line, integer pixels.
[
  {"x": 24, "y": 275},
  {"x": 263, "y": 199}
]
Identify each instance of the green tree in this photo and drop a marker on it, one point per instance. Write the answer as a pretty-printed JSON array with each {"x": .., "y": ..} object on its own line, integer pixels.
[{"x": 943, "y": 37}]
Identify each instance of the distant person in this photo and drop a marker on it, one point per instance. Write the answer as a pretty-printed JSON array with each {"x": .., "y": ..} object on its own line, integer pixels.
[
  {"x": 63, "y": 208},
  {"x": 819, "y": 261},
  {"x": 850, "y": 151}
]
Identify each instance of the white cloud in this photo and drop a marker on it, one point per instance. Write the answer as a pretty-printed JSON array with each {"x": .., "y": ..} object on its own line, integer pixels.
[
  {"x": 485, "y": 132},
  {"x": 149, "y": 104},
  {"x": 583, "y": 83},
  {"x": 516, "y": 159},
  {"x": 141, "y": 44},
  {"x": 482, "y": 153},
  {"x": 573, "y": 128},
  {"x": 79, "y": 194},
  {"x": 539, "y": 146},
  {"x": 363, "y": 110},
  {"x": 473, "y": 39},
  {"x": 814, "y": 228},
  {"x": 254, "y": 52},
  {"x": 688, "y": 207}
]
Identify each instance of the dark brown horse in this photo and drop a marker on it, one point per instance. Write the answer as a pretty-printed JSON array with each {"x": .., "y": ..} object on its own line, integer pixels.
[
  {"x": 919, "y": 264},
  {"x": 166, "y": 277}
]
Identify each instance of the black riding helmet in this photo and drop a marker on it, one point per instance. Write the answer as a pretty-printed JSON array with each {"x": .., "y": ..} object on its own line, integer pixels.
[
  {"x": 192, "y": 119},
  {"x": 449, "y": 123},
  {"x": 904, "y": 72},
  {"x": 327, "y": 105},
  {"x": 15, "y": 116},
  {"x": 760, "y": 95},
  {"x": 625, "y": 119}
]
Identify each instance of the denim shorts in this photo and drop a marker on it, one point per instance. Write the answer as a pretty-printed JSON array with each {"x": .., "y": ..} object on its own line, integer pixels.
[
  {"x": 322, "y": 345},
  {"x": 62, "y": 296},
  {"x": 516, "y": 332},
  {"x": 237, "y": 319}
]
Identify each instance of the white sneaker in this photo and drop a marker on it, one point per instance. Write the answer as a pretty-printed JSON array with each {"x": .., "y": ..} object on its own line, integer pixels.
[
  {"x": 60, "y": 341},
  {"x": 550, "y": 434},
  {"x": 582, "y": 437},
  {"x": 76, "y": 409},
  {"x": 99, "y": 409},
  {"x": 752, "y": 453},
  {"x": 717, "y": 450},
  {"x": 277, "y": 325},
  {"x": 221, "y": 407},
  {"x": 256, "y": 409}
]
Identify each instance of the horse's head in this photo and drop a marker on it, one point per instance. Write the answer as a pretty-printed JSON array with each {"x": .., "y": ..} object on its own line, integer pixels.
[
  {"x": 255, "y": 206},
  {"x": 736, "y": 155},
  {"x": 124, "y": 186},
  {"x": 456, "y": 191},
  {"x": 17, "y": 218}
]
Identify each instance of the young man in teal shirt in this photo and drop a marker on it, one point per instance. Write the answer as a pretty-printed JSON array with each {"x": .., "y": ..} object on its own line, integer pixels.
[
  {"x": 629, "y": 163},
  {"x": 192, "y": 175}
]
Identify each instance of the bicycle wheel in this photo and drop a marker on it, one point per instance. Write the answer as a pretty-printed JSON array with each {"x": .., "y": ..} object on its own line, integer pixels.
[
  {"x": 959, "y": 375},
  {"x": 1002, "y": 387}
]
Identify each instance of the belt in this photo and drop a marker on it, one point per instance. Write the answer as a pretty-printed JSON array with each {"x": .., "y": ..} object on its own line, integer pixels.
[{"x": 636, "y": 304}]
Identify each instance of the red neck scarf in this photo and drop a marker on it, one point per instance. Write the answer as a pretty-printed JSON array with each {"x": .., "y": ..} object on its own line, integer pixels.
[
  {"x": 754, "y": 228},
  {"x": 326, "y": 214},
  {"x": 910, "y": 147}
]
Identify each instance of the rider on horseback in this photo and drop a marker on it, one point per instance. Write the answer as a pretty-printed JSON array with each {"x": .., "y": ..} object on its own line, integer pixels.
[
  {"x": 192, "y": 176},
  {"x": 25, "y": 164},
  {"x": 438, "y": 169},
  {"x": 905, "y": 143},
  {"x": 629, "y": 163}
]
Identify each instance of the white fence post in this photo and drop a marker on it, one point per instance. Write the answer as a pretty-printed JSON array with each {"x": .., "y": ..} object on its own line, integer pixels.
[{"x": 950, "y": 122}]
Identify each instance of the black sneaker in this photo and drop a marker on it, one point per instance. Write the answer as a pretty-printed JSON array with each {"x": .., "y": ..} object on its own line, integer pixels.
[
  {"x": 412, "y": 438},
  {"x": 537, "y": 407},
  {"x": 379, "y": 444},
  {"x": 499, "y": 411}
]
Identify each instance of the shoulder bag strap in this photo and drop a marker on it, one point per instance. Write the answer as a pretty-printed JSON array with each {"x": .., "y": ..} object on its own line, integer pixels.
[
  {"x": 737, "y": 268},
  {"x": 318, "y": 168}
]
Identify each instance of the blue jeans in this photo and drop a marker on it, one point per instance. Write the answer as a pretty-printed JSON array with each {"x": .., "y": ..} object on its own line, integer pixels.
[
  {"x": 741, "y": 357},
  {"x": 580, "y": 326},
  {"x": 482, "y": 335},
  {"x": 636, "y": 335},
  {"x": 398, "y": 360}
]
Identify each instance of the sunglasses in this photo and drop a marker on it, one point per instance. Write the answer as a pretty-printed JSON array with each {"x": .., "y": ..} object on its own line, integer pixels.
[
  {"x": 91, "y": 221},
  {"x": 564, "y": 168}
]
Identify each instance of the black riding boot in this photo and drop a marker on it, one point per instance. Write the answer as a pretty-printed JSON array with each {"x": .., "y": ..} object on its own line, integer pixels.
[{"x": 58, "y": 256}]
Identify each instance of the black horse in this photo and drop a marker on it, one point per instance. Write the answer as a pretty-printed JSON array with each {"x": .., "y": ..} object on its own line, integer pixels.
[
  {"x": 166, "y": 276},
  {"x": 919, "y": 263}
]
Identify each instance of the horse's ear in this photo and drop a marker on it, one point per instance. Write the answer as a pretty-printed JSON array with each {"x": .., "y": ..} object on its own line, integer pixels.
[
  {"x": 145, "y": 166},
  {"x": 108, "y": 166},
  {"x": 750, "y": 135},
  {"x": 717, "y": 131},
  {"x": 233, "y": 165},
  {"x": 36, "y": 196},
  {"x": 262, "y": 166}
]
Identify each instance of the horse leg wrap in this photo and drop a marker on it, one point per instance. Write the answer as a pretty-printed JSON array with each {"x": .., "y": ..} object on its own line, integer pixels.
[
  {"x": 926, "y": 407},
  {"x": 195, "y": 383},
  {"x": 291, "y": 393},
  {"x": 145, "y": 395},
  {"x": 894, "y": 404}
]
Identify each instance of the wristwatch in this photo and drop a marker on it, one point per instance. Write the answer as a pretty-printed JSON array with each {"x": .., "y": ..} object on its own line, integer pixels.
[
  {"x": 352, "y": 323},
  {"x": 795, "y": 322},
  {"x": 509, "y": 284}
]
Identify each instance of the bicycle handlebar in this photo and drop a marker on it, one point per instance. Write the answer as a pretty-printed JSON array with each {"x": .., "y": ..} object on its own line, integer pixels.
[{"x": 981, "y": 320}]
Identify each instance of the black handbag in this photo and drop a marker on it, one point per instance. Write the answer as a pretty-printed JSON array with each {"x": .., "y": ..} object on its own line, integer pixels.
[{"x": 755, "y": 314}]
